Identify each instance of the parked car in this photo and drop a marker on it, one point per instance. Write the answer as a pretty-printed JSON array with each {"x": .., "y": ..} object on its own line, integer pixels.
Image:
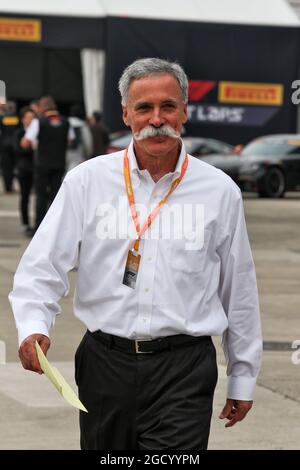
[
  {"x": 270, "y": 165},
  {"x": 228, "y": 163},
  {"x": 197, "y": 146},
  {"x": 201, "y": 146},
  {"x": 120, "y": 142}
]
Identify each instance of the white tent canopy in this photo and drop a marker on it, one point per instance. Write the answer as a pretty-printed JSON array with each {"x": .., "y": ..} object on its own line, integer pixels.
[
  {"x": 86, "y": 8},
  {"x": 258, "y": 12},
  {"x": 251, "y": 12}
]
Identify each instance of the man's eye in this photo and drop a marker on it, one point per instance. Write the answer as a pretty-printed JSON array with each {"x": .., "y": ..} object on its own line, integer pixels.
[
  {"x": 143, "y": 107},
  {"x": 169, "y": 105}
]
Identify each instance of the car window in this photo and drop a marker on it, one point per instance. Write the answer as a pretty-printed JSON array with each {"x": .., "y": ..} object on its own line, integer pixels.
[
  {"x": 123, "y": 141},
  {"x": 198, "y": 146},
  {"x": 191, "y": 144},
  {"x": 219, "y": 147},
  {"x": 204, "y": 150},
  {"x": 275, "y": 146}
]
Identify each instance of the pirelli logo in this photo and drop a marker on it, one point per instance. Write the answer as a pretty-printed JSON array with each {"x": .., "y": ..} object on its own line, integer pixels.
[
  {"x": 10, "y": 120},
  {"x": 251, "y": 93},
  {"x": 20, "y": 30}
]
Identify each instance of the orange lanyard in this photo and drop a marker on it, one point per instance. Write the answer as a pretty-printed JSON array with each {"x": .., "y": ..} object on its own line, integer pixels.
[{"x": 131, "y": 201}]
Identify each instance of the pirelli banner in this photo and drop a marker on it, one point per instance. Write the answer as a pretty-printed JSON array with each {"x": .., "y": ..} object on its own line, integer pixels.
[
  {"x": 239, "y": 76},
  {"x": 251, "y": 108},
  {"x": 234, "y": 103},
  {"x": 14, "y": 29},
  {"x": 52, "y": 31}
]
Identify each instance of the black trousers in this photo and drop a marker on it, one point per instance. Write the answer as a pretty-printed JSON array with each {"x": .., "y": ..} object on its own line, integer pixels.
[
  {"x": 8, "y": 164},
  {"x": 146, "y": 401},
  {"x": 47, "y": 184},
  {"x": 26, "y": 183}
]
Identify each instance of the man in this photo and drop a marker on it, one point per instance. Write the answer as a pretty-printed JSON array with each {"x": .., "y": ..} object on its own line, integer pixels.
[
  {"x": 24, "y": 164},
  {"x": 49, "y": 135},
  {"x": 99, "y": 133},
  {"x": 153, "y": 295},
  {"x": 81, "y": 148},
  {"x": 9, "y": 123},
  {"x": 35, "y": 106}
]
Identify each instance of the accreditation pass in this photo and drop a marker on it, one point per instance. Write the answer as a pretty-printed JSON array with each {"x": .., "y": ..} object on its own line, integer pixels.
[{"x": 131, "y": 268}]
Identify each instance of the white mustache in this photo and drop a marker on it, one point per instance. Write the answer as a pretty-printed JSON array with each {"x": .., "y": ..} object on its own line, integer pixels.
[{"x": 151, "y": 131}]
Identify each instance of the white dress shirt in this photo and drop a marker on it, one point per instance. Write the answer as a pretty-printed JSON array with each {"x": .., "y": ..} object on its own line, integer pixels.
[{"x": 183, "y": 286}]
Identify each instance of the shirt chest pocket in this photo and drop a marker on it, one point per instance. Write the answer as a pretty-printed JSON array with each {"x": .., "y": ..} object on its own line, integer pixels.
[{"x": 189, "y": 255}]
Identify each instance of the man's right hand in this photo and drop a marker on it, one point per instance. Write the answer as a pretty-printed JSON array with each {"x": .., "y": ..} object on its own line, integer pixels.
[
  {"x": 27, "y": 351},
  {"x": 25, "y": 143}
]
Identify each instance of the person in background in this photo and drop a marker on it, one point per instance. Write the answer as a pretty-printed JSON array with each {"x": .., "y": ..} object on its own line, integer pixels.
[
  {"x": 100, "y": 134},
  {"x": 25, "y": 165},
  {"x": 49, "y": 136},
  {"x": 2, "y": 109},
  {"x": 2, "y": 112},
  {"x": 9, "y": 122},
  {"x": 82, "y": 146},
  {"x": 35, "y": 106}
]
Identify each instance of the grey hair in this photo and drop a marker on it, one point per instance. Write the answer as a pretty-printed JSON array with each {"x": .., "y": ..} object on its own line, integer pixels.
[{"x": 152, "y": 66}]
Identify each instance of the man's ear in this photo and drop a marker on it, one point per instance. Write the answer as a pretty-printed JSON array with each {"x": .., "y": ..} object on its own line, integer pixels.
[{"x": 125, "y": 116}]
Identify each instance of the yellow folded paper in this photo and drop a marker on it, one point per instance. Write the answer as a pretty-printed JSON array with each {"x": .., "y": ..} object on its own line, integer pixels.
[{"x": 58, "y": 380}]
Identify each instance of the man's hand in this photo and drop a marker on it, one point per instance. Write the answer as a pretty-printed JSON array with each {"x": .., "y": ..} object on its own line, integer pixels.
[
  {"x": 25, "y": 143},
  {"x": 235, "y": 410},
  {"x": 27, "y": 351}
]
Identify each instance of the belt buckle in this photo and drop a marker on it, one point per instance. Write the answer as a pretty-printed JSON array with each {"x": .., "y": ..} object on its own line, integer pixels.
[{"x": 137, "y": 341}]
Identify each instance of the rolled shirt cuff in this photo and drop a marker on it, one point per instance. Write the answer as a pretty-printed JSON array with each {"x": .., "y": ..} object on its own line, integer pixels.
[
  {"x": 37, "y": 327},
  {"x": 241, "y": 388}
]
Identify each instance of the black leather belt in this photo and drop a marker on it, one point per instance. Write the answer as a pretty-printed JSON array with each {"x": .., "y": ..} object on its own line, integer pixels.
[{"x": 147, "y": 346}]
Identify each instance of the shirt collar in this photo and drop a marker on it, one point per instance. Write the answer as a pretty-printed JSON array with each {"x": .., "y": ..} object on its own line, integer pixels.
[
  {"x": 134, "y": 166},
  {"x": 132, "y": 159}
]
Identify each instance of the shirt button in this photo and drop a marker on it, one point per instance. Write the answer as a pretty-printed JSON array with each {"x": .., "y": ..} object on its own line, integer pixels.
[
  {"x": 146, "y": 290},
  {"x": 145, "y": 320},
  {"x": 149, "y": 259}
]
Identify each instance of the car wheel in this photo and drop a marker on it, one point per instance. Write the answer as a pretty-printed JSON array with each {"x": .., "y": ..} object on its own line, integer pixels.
[{"x": 273, "y": 184}]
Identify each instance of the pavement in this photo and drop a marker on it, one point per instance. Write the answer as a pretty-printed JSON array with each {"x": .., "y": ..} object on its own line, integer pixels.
[{"x": 35, "y": 416}]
